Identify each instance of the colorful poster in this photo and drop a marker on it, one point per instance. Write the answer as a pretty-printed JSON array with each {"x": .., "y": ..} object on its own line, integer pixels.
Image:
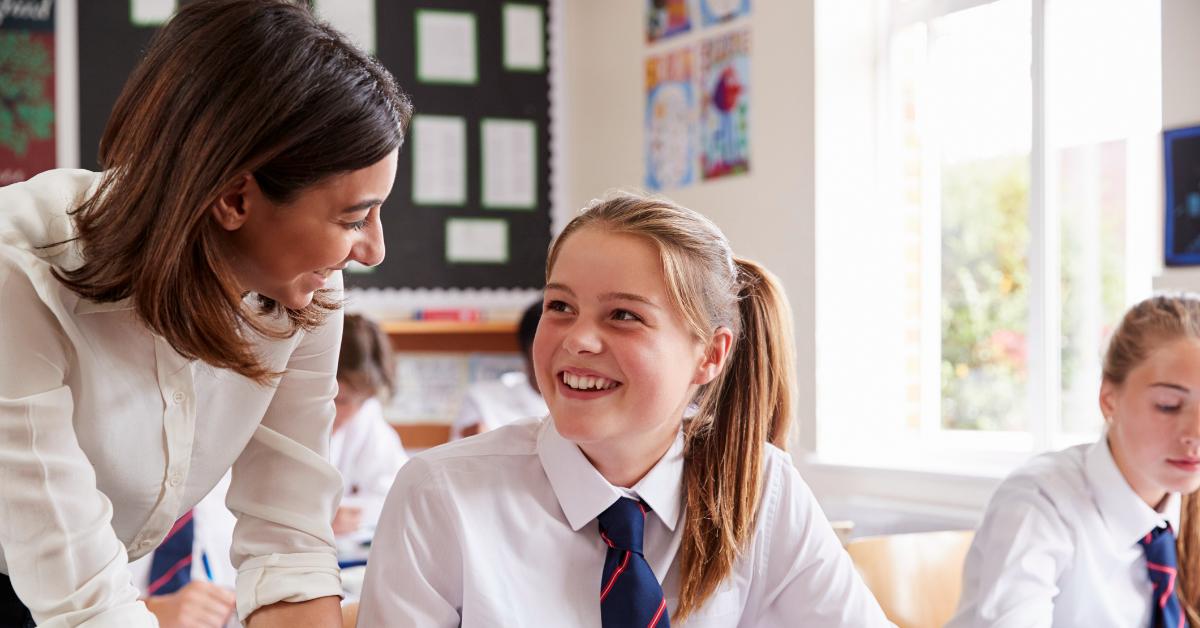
[
  {"x": 717, "y": 11},
  {"x": 670, "y": 120},
  {"x": 665, "y": 18},
  {"x": 27, "y": 89},
  {"x": 725, "y": 112}
]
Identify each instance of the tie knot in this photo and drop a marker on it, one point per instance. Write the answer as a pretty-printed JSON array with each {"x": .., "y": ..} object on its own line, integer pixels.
[
  {"x": 623, "y": 523},
  {"x": 1162, "y": 535},
  {"x": 1159, "y": 546}
]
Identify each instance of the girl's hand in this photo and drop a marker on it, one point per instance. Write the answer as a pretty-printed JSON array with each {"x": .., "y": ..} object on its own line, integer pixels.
[
  {"x": 347, "y": 519},
  {"x": 197, "y": 605}
]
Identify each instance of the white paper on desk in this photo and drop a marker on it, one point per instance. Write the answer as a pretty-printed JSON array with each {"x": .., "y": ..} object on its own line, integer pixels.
[
  {"x": 439, "y": 157},
  {"x": 150, "y": 12},
  {"x": 509, "y": 164},
  {"x": 524, "y": 39},
  {"x": 477, "y": 240},
  {"x": 355, "y": 18},
  {"x": 446, "y": 46}
]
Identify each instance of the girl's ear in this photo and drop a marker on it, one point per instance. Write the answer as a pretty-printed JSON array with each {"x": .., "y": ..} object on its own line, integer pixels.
[
  {"x": 716, "y": 351},
  {"x": 1109, "y": 393}
]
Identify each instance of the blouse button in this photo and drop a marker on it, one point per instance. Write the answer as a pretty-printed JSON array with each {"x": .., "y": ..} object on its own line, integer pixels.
[
  {"x": 175, "y": 480},
  {"x": 178, "y": 397}
]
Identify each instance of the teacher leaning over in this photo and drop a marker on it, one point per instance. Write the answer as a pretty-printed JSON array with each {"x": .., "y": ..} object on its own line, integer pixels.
[{"x": 177, "y": 314}]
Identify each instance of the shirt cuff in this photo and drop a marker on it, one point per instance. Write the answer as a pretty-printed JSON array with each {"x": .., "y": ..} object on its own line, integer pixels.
[
  {"x": 265, "y": 580},
  {"x": 134, "y": 615}
]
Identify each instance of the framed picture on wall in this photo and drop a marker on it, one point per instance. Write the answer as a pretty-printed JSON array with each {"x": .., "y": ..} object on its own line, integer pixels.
[{"x": 1181, "y": 167}]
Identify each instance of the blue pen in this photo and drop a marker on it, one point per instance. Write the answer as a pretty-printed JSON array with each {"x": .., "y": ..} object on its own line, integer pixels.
[{"x": 207, "y": 567}]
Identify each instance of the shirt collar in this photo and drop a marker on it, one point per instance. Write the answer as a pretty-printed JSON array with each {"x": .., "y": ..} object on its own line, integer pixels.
[
  {"x": 1127, "y": 517},
  {"x": 583, "y": 493},
  {"x": 88, "y": 306}
]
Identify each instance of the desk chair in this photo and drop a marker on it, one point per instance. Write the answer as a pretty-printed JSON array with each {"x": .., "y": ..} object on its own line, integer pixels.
[{"x": 917, "y": 578}]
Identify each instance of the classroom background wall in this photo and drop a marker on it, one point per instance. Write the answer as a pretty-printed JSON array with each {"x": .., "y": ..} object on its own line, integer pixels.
[
  {"x": 768, "y": 213},
  {"x": 1180, "y": 108},
  {"x": 598, "y": 96}
]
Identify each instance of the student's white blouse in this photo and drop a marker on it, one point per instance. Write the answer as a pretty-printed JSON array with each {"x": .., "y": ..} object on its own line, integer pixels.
[
  {"x": 107, "y": 435},
  {"x": 368, "y": 453},
  {"x": 500, "y": 530},
  {"x": 1059, "y": 547},
  {"x": 493, "y": 403}
]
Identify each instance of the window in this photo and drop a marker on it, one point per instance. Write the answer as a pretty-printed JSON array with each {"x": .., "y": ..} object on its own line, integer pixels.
[{"x": 986, "y": 195}]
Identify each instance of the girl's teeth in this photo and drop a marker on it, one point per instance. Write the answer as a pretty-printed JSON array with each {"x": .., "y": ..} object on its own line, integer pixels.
[{"x": 586, "y": 382}]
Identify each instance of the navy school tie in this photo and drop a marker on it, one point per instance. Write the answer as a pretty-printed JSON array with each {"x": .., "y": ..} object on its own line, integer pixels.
[
  {"x": 1166, "y": 611},
  {"x": 170, "y": 569},
  {"x": 630, "y": 595}
]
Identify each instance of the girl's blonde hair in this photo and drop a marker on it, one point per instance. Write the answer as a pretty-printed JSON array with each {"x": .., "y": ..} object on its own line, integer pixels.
[
  {"x": 1146, "y": 327},
  {"x": 747, "y": 406}
]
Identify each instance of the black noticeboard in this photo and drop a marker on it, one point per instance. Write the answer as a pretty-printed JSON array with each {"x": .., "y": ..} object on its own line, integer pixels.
[{"x": 110, "y": 45}]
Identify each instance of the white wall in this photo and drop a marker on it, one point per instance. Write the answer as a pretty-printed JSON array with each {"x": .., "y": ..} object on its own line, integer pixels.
[
  {"x": 768, "y": 213},
  {"x": 1180, "y": 108}
]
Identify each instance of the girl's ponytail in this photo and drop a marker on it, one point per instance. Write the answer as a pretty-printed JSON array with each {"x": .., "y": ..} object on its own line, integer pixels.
[
  {"x": 746, "y": 407},
  {"x": 1187, "y": 546}
]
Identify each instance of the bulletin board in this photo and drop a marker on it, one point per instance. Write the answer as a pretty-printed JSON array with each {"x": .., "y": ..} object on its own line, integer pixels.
[{"x": 473, "y": 211}]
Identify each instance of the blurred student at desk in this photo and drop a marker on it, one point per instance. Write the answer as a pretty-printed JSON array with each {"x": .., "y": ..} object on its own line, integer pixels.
[
  {"x": 495, "y": 403},
  {"x": 187, "y": 582},
  {"x": 364, "y": 447}
]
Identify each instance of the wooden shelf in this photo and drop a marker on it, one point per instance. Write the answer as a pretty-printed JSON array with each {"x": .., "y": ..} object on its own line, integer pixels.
[
  {"x": 417, "y": 436},
  {"x": 453, "y": 336}
]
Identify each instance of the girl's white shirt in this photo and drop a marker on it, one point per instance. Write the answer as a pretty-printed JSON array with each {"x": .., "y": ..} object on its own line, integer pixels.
[
  {"x": 498, "y": 402},
  {"x": 368, "y": 453},
  {"x": 500, "y": 530},
  {"x": 107, "y": 436},
  {"x": 1058, "y": 546}
]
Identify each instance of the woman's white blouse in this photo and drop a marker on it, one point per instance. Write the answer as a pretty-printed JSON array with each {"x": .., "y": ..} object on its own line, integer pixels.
[
  {"x": 500, "y": 530},
  {"x": 1059, "y": 547},
  {"x": 107, "y": 435}
]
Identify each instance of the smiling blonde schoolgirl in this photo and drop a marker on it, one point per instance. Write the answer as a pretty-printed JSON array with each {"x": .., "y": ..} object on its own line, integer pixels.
[{"x": 615, "y": 510}]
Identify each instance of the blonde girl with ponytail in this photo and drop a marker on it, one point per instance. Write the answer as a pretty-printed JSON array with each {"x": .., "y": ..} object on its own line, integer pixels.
[
  {"x": 1106, "y": 534},
  {"x": 657, "y": 492}
]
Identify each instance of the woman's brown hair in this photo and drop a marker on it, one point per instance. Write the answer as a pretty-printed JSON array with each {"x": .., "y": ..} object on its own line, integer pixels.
[
  {"x": 1146, "y": 327},
  {"x": 747, "y": 406},
  {"x": 366, "y": 358},
  {"x": 226, "y": 87}
]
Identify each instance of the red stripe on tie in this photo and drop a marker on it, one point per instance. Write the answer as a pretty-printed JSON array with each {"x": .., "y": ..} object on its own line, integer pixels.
[
  {"x": 166, "y": 577},
  {"x": 1147, "y": 539},
  {"x": 187, "y": 516},
  {"x": 643, "y": 509},
  {"x": 662, "y": 608},
  {"x": 1162, "y": 600},
  {"x": 607, "y": 540},
  {"x": 613, "y": 579}
]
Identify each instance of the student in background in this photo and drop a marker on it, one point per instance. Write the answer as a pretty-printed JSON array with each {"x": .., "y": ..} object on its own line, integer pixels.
[
  {"x": 616, "y": 510},
  {"x": 491, "y": 404},
  {"x": 188, "y": 581},
  {"x": 364, "y": 447},
  {"x": 1106, "y": 534}
]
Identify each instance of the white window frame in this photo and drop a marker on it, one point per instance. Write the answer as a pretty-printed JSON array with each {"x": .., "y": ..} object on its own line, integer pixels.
[{"x": 970, "y": 464}]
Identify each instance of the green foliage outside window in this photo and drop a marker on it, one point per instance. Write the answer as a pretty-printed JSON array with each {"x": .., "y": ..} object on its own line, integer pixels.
[{"x": 985, "y": 293}]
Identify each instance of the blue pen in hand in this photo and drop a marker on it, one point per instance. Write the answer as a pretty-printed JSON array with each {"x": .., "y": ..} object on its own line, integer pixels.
[{"x": 207, "y": 567}]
